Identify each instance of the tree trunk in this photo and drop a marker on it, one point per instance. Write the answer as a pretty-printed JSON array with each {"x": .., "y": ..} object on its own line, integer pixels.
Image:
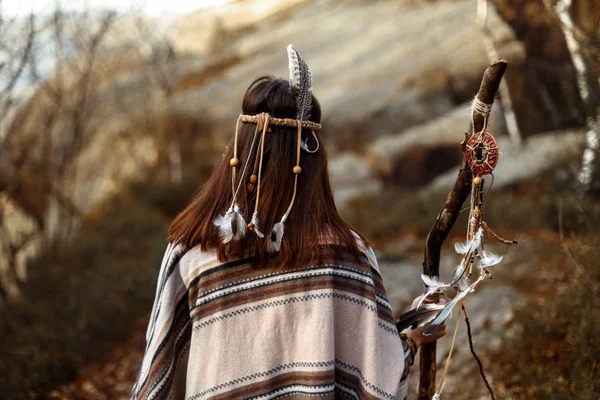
[{"x": 544, "y": 88}]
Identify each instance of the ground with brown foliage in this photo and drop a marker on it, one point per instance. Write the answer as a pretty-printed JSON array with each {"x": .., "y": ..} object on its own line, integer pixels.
[{"x": 108, "y": 379}]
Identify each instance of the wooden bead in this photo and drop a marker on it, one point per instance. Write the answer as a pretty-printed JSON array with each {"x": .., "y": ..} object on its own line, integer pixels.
[
  {"x": 250, "y": 188},
  {"x": 477, "y": 181},
  {"x": 297, "y": 169},
  {"x": 250, "y": 227},
  {"x": 234, "y": 162},
  {"x": 253, "y": 178}
]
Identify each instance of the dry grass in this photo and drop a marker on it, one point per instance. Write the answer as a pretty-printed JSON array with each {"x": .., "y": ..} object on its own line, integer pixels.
[
  {"x": 554, "y": 352},
  {"x": 80, "y": 300}
]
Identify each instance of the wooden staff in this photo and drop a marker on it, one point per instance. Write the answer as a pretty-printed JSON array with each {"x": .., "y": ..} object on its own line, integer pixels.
[{"x": 445, "y": 220}]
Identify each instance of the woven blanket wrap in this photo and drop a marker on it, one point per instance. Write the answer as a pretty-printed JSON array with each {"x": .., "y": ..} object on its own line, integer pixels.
[{"x": 233, "y": 331}]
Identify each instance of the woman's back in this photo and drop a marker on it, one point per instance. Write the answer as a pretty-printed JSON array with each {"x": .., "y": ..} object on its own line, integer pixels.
[{"x": 232, "y": 330}]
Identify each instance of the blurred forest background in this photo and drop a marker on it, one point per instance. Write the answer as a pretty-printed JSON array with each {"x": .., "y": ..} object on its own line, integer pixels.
[{"x": 110, "y": 121}]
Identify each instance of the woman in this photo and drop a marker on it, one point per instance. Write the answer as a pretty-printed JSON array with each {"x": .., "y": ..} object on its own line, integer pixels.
[{"x": 299, "y": 312}]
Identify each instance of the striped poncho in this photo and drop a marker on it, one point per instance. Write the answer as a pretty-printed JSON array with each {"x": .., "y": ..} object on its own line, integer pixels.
[{"x": 233, "y": 331}]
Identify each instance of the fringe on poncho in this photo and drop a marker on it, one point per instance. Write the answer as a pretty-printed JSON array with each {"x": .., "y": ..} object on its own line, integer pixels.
[{"x": 233, "y": 331}]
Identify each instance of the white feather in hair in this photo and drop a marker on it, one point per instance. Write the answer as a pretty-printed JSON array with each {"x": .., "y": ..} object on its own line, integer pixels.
[
  {"x": 254, "y": 223},
  {"x": 274, "y": 239},
  {"x": 231, "y": 226}
]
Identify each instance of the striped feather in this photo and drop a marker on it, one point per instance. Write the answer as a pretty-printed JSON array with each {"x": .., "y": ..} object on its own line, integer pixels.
[
  {"x": 275, "y": 238},
  {"x": 300, "y": 83},
  {"x": 418, "y": 316}
]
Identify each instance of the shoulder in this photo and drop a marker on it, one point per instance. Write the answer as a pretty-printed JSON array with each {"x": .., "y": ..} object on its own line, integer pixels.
[
  {"x": 367, "y": 251},
  {"x": 191, "y": 261},
  {"x": 363, "y": 247}
]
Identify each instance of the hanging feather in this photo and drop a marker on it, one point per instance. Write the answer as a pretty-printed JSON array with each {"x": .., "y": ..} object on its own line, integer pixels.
[
  {"x": 418, "y": 316},
  {"x": 231, "y": 226},
  {"x": 254, "y": 223},
  {"x": 432, "y": 281},
  {"x": 223, "y": 224},
  {"x": 445, "y": 313},
  {"x": 489, "y": 260},
  {"x": 274, "y": 240},
  {"x": 433, "y": 285},
  {"x": 301, "y": 83},
  {"x": 459, "y": 279},
  {"x": 462, "y": 248},
  {"x": 238, "y": 224}
]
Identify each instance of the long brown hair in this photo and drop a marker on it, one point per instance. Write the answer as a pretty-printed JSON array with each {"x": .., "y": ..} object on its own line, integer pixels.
[{"x": 314, "y": 211}]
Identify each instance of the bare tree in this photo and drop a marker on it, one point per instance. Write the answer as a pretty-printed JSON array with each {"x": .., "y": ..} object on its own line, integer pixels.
[
  {"x": 581, "y": 34},
  {"x": 163, "y": 70},
  {"x": 543, "y": 87},
  {"x": 16, "y": 44},
  {"x": 45, "y": 126}
]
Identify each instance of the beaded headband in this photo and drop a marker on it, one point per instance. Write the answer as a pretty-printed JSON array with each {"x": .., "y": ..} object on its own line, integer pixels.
[
  {"x": 292, "y": 123},
  {"x": 232, "y": 225}
]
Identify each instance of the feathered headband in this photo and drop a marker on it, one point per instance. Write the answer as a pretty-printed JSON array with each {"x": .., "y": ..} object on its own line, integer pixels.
[{"x": 232, "y": 225}]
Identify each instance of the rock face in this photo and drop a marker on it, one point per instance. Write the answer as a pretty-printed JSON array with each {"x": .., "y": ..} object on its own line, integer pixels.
[
  {"x": 442, "y": 131},
  {"x": 352, "y": 176},
  {"x": 426, "y": 157}
]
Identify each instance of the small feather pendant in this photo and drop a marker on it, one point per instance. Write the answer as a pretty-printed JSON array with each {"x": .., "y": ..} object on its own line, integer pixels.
[
  {"x": 238, "y": 224},
  {"x": 431, "y": 281},
  {"x": 489, "y": 260},
  {"x": 223, "y": 224},
  {"x": 274, "y": 240},
  {"x": 231, "y": 226},
  {"x": 433, "y": 285},
  {"x": 445, "y": 313},
  {"x": 462, "y": 248},
  {"x": 254, "y": 225},
  {"x": 459, "y": 279},
  {"x": 418, "y": 317}
]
